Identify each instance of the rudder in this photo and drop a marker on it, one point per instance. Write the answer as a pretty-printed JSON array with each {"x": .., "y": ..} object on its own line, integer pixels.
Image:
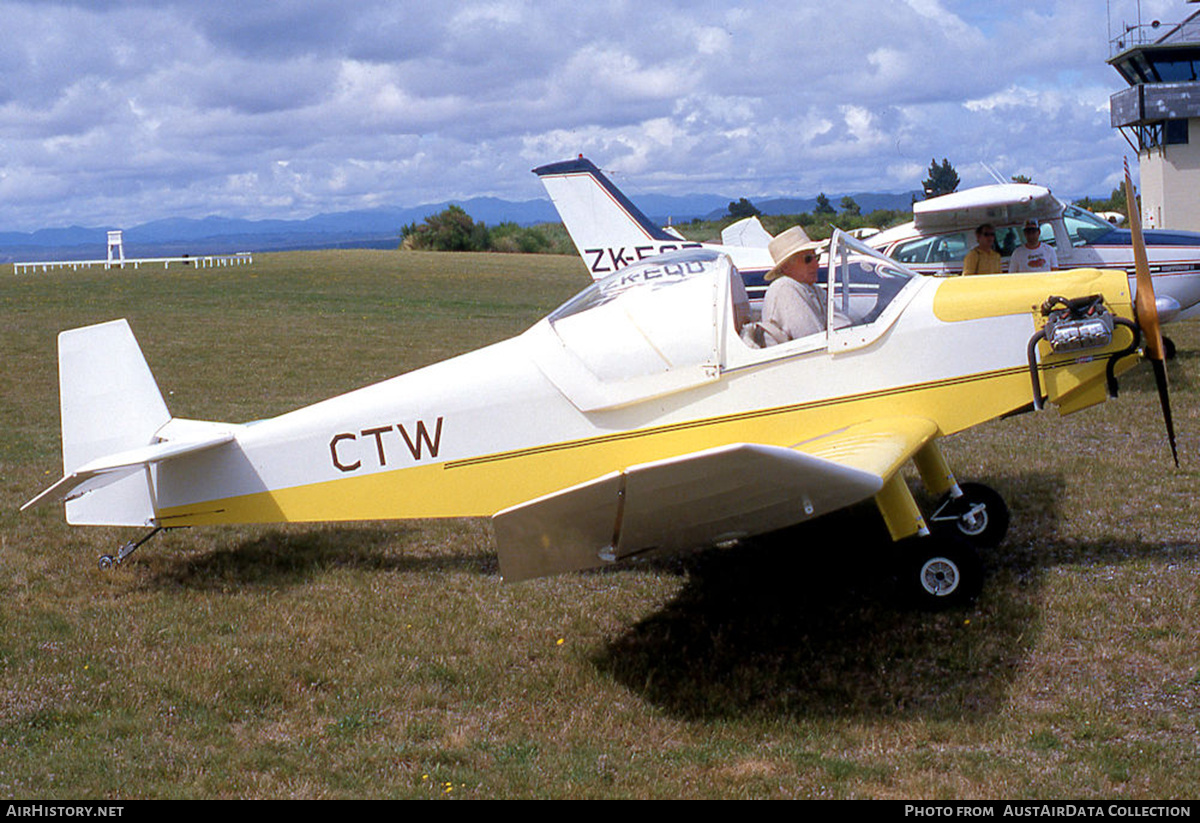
[
  {"x": 609, "y": 231},
  {"x": 110, "y": 403}
]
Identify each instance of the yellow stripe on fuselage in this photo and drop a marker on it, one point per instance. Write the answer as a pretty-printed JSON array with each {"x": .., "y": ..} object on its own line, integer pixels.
[{"x": 483, "y": 485}]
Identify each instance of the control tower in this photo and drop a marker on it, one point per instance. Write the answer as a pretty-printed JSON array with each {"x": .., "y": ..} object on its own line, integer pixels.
[{"x": 1159, "y": 114}]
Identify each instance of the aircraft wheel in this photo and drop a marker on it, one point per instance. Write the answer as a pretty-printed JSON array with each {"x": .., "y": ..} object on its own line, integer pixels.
[
  {"x": 980, "y": 515},
  {"x": 941, "y": 572},
  {"x": 1168, "y": 348},
  {"x": 106, "y": 562}
]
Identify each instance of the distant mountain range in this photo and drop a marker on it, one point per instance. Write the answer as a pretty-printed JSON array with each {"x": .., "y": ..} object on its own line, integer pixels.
[{"x": 371, "y": 228}]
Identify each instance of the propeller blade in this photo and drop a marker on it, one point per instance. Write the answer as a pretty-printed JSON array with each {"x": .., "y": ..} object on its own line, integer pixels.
[
  {"x": 1160, "y": 380},
  {"x": 1144, "y": 303},
  {"x": 1147, "y": 311}
]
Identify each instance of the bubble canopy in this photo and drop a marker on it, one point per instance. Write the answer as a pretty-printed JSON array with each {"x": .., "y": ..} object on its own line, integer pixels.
[{"x": 673, "y": 321}]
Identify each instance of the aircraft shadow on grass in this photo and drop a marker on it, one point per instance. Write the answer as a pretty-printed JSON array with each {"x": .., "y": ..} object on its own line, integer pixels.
[
  {"x": 805, "y": 625},
  {"x": 802, "y": 622},
  {"x": 290, "y": 557}
]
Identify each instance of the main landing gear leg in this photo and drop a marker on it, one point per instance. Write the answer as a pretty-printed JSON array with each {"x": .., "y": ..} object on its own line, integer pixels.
[
  {"x": 977, "y": 512},
  {"x": 107, "y": 561},
  {"x": 938, "y": 563}
]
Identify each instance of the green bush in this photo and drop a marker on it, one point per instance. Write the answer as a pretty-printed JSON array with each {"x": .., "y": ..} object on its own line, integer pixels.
[
  {"x": 509, "y": 237},
  {"x": 452, "y": 229}
]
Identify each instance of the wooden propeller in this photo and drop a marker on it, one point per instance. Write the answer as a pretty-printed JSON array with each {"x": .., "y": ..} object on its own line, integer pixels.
[{"x": 1147, "y": 311}]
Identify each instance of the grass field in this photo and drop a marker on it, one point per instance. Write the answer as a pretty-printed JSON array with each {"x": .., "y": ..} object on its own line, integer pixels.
[{"x": 386, "y": 660}]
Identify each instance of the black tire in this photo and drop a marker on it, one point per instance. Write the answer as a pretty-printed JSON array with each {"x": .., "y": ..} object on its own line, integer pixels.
[
  {"x": 1168, "y": 348},
  {"x": 940, "y": 572},
  {"x": 980, "y": 515}
]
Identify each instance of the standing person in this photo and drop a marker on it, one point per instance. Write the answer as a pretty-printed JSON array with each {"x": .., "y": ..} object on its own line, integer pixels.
[
  {"x": 983, "y": 259},
  {"x": 1034, "y": 255}
]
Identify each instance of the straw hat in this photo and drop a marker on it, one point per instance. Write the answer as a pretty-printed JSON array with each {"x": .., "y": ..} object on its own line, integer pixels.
[{"x": 787, "y": 243}]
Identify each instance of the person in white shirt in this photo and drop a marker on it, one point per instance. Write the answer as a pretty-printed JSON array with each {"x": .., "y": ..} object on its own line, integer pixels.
[{"x": 1034, "y": 255}]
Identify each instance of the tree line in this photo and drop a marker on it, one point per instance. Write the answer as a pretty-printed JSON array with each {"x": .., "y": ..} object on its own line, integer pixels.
[{"x": 452, "y": 229}]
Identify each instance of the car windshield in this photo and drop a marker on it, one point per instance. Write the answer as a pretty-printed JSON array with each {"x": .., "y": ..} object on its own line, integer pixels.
[{"x": 1083, "y": 227}]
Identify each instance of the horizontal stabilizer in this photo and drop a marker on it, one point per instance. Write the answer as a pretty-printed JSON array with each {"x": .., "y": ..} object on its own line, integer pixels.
[
  {"x": 103, "y": 471},
  {"x": 698, "y": 499}
]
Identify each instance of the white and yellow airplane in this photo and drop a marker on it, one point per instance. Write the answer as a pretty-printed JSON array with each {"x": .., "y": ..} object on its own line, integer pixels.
[{"x": 633, "y": 418}]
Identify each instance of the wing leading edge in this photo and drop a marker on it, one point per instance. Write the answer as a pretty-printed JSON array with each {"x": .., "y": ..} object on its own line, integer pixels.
[{"x": 703, "y": 498}]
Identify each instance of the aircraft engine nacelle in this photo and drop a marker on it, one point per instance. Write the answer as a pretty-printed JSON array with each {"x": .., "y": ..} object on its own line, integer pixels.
[
  {"x": 1077, "y": 324},
  {"x": 1076, "y": 344}
]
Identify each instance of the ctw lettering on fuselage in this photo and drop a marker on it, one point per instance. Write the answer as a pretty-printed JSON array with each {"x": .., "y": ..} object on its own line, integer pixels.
[
  {"x": 382, "y": 446},
  {"x": 604, "y": 261}
]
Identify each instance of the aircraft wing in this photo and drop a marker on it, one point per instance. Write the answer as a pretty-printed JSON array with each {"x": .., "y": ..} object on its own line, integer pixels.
[
  {"x": 703, "y": 498},
  {"x": 877, "y": 446}
]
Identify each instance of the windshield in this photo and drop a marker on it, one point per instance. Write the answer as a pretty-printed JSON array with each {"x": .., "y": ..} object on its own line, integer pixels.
[
  {"x": 1083, "y": 227},
  {"x": 865, "y": 281}
]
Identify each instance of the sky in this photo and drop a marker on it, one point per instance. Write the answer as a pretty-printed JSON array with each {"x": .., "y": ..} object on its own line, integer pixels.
[{"x": 118, "y": 112}]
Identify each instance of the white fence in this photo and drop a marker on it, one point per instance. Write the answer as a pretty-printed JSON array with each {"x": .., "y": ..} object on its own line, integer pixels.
[{"x": 242, "y": 258}]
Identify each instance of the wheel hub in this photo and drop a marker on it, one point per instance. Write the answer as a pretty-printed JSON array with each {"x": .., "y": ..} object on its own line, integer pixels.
[
  {"x": 939, "y": 576},
  {"x": 974, "y": 520}
]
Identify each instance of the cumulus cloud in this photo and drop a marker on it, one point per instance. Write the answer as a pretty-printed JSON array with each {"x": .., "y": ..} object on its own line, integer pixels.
[{"x": 127, "y": 111}]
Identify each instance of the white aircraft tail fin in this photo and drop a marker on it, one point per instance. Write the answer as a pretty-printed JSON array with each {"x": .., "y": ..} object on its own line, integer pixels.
[
  {"x": 110, "y": 405},
  {"x": 609, "y": 231},
  {"x": 747, "y": 233},
  {"x": 110, "y": 400}
]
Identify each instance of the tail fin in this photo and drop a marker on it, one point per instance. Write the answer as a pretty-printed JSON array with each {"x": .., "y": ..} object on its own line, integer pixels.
[
  {"x": 110, "y": 404},
  {"x": 609, "y": 231},
  {"x": 746, "y": 233},
  {"x": 110, "y": 401},
  {"x": 115, "y": 428}
]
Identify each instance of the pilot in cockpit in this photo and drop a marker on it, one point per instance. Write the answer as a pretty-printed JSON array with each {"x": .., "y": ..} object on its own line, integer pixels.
[{"x": 793, "y": 306}]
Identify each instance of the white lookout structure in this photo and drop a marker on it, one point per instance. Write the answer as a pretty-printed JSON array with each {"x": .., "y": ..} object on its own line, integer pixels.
[
  {"x": 1159, "y": 114},
  {"x": 116, "y": 259},
  {"x": 116, "y": 248}
]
